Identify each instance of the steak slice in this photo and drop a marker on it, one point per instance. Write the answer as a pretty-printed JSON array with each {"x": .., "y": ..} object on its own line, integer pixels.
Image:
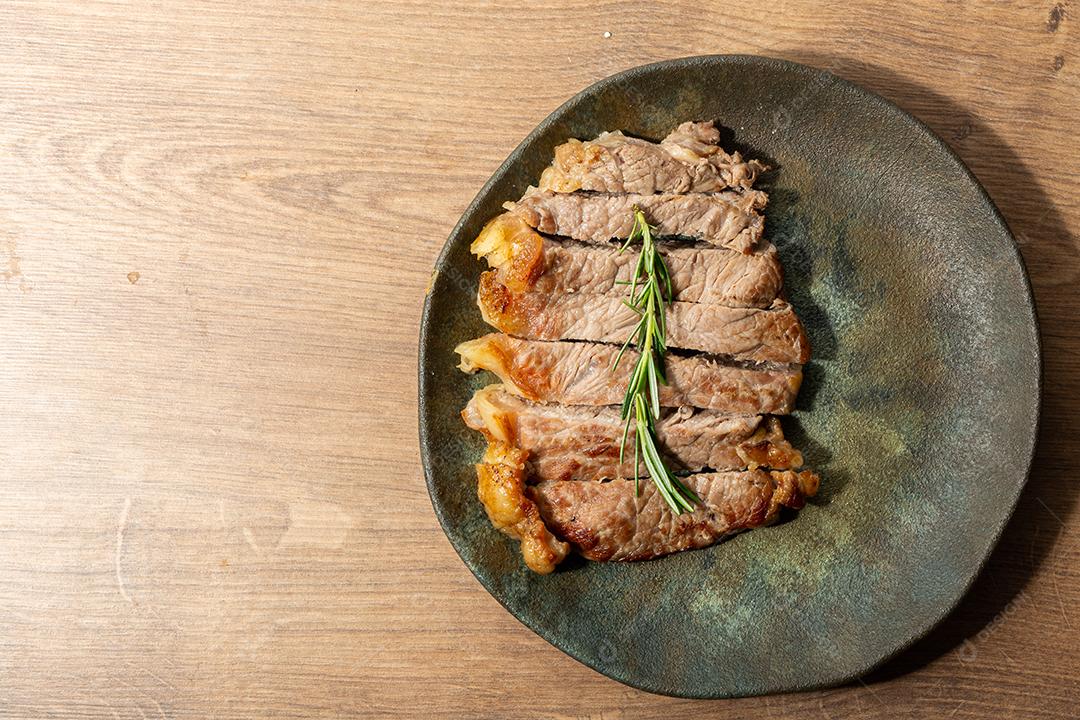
[
  {"x": 527, "y": 261},
  {"x": 758, "y": 335},
  {"x": 687, "y": 160},
  {"x": 501, "y": 489},
  {"x": 567, "y": 442},
  {"x": 609, "y": 521},
  {"x": 729, "y": 219},
  {"x": 581, "y": 374}
]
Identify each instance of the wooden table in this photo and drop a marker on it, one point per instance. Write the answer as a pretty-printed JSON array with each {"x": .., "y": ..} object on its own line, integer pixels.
[{"x": 217, "y": 221}]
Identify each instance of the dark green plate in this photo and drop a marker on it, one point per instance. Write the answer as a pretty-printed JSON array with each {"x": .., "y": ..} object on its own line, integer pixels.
[{"x": 919, "y": 408}]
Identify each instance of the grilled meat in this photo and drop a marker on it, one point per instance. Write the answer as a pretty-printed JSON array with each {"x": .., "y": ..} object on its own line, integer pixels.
[
  {"x": 581, "y": 374},
  {"x": 733, "y": 350},
  {"x": 525, "y": 261},
  {"x": 687, "y": 160},
  {"x": 729, "y": 219},
  {"x": 757, "y": 335},
  {"x": 582, "y": 443},
  {"x": 609, "y": 521}
]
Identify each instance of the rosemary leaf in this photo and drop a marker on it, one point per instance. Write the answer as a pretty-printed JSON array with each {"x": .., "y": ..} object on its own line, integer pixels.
[{"x": 650, "y": 293}]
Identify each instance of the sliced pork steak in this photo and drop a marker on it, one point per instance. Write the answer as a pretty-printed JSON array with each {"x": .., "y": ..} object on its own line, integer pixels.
[
  {"x": 687, "y": 160},
  {"x": 758, "y": 335},
  {"x": 580, "y": 374},
  {"x": 527, "y": 261},
  {"x": 609, "y": 521},
  {"x": 728, "y": 219},
  {"x": 567, "y": 442}
]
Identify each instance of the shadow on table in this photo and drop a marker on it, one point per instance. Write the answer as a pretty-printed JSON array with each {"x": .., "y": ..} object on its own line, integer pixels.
[{"x": 1049, "y": 500}]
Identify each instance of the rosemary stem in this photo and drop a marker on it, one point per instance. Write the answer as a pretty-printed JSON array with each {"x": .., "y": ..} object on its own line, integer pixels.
[{"x": 650, "y": 293}]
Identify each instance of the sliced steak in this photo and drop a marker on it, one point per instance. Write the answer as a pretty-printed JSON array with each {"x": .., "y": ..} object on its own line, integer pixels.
[
  {"x": 758, "y": 335},
  {"x": 581, "y": 374},
  {"x": 729, "y": 219},
  {"x": 687, "y": 160},
  {"x": 501, "y": 489},
  {"x": 527, "y": 261},
  {"x": 568, "y": 442},
  {"x": 609, "y": 521}
]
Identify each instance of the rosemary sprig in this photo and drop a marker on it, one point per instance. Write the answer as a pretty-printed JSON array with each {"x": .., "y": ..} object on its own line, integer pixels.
[{"x": 650, "y": 293}]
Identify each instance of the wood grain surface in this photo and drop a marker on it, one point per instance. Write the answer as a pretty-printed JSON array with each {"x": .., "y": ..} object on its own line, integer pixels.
[{"x": 217, "y": 221}]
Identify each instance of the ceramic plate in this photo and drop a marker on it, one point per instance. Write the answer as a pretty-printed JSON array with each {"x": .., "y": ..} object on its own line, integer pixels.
[{"x": 919, "y": 408}]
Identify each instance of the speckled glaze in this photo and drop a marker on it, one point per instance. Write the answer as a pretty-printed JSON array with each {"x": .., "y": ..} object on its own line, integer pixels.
[{"x": 919, "y": 409}]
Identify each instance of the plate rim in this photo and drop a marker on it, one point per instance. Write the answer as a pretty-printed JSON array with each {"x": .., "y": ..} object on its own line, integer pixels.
[{"x": 870, "y": 96}]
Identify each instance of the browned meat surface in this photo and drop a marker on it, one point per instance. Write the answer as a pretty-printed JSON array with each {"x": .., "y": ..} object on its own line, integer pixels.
[
  {"x": 525, "y": 261},
  {"x": 582, "y": 443},
  {"x": 687, "y": 160},
  {"x": 501, "y": 489},
  {"x": 729, "y": 219},
  {"x": 608, "y": 521},
  {"x": 771, "y": 335},
  {"x": 580, "y": 374}
]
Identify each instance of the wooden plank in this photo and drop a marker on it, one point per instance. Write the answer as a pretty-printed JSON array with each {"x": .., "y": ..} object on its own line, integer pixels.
[{"x": 211, "y": 268}]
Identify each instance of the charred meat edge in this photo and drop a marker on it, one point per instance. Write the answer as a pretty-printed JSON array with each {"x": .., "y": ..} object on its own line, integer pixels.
[{"x": 501, "y": 489}]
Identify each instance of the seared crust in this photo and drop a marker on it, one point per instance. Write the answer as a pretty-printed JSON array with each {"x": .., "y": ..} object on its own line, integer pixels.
[
  {"x": 514, "y": 249},
  {"x": 609, "y": 521},
  {"x": 772, "y": 335},
  {"x": 581, "y": 374},
  {"x": 582, "y": 443},
  {"x": 501, "y": 489}
]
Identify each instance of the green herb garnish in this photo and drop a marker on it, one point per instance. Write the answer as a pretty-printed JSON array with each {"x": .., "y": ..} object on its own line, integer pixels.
[{"x": 650, "y": 293}]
